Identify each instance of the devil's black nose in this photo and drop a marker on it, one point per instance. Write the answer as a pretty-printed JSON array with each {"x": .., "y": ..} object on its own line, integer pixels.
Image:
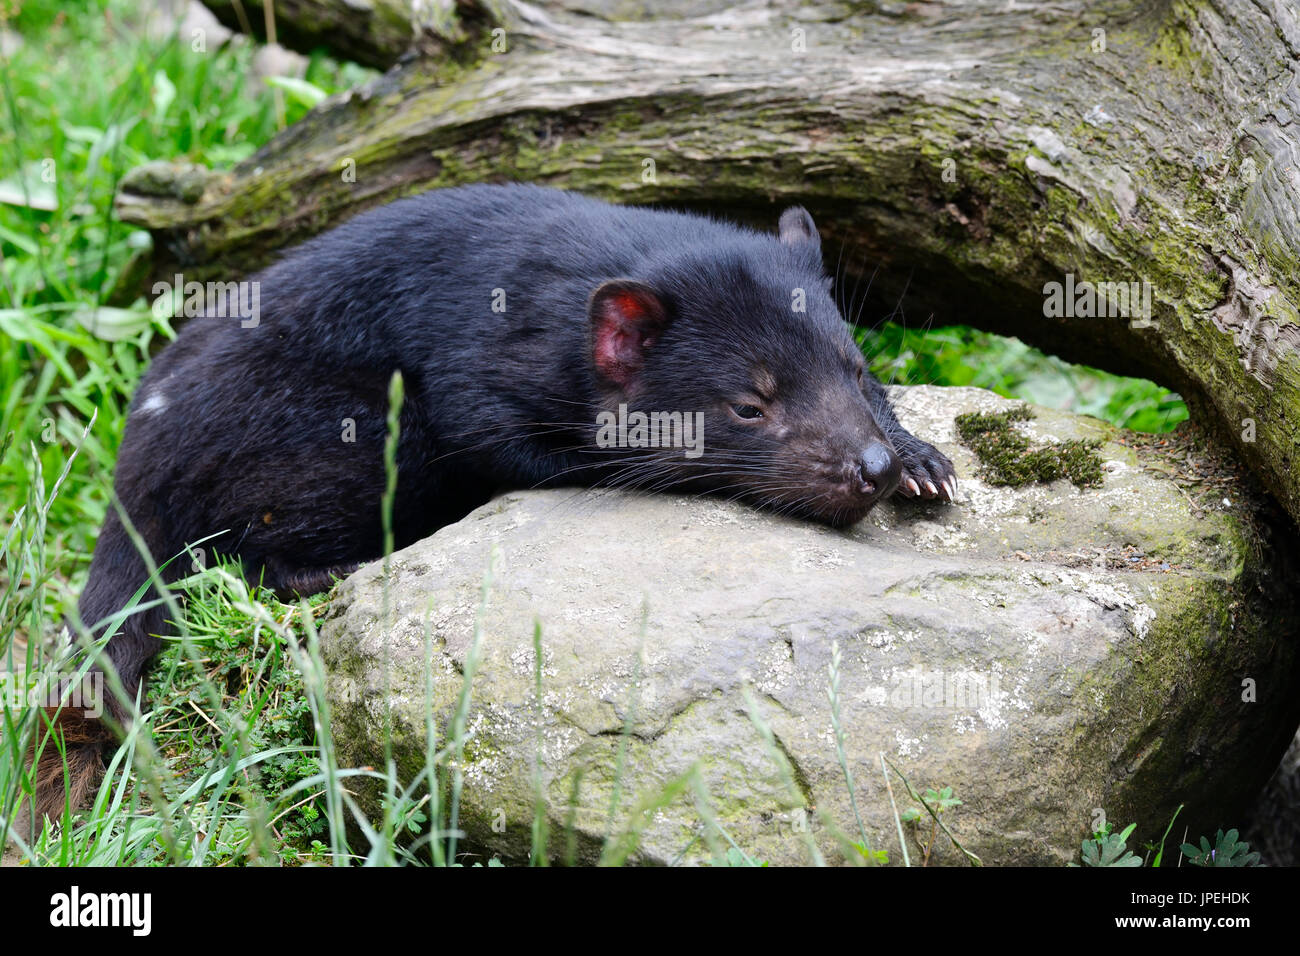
[{"x": 880, "y": 470}]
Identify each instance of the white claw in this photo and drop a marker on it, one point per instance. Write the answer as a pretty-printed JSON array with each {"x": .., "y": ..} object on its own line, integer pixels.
[
  {"x": 916, "y": 489},
  {"x": 947, "y": 489},
  {"x": 932, "y": 489}
]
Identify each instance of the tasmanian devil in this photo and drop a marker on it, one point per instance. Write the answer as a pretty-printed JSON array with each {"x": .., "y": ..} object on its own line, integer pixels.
[{"x": 521, "y": 318}]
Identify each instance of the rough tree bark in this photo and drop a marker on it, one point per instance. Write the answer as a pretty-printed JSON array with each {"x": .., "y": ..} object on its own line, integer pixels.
[{"x": 968, "y": 151}]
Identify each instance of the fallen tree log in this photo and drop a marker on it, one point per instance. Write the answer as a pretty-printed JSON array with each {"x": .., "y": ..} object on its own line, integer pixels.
[{"x": 1017, "y": 167}]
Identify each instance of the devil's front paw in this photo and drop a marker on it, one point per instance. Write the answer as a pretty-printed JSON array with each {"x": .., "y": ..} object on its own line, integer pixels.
[{"x": 927, "y": 472}]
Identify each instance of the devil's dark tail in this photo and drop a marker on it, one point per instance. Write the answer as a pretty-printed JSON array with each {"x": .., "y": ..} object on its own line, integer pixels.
[{"x": 68, "y": 778}]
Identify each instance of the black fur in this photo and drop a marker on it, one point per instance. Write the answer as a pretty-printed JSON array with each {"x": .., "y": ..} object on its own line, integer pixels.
[{"x": 239, "y": 430}]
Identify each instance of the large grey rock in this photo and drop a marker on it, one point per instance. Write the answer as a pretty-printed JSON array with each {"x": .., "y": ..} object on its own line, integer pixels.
[{"x": 1090, "y": 648}]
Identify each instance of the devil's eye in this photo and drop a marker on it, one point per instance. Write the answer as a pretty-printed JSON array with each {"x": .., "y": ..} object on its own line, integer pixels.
[{"x": 747, "y": 411}]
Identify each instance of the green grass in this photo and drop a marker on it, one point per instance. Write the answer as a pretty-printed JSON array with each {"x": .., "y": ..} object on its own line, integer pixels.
[
  {"x": 247, "y": 667},
  {"x": 958, "y": 355},
  {"x": 229, "y": 763},
  {"x": 89, "y": 95}
]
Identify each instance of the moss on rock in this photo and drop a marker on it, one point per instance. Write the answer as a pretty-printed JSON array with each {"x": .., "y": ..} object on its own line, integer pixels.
[{"x": 1008, "y": 457}]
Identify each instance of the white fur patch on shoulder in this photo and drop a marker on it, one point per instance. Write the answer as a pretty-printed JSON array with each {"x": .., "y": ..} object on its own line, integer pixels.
[{"x": 154, "y": 403}]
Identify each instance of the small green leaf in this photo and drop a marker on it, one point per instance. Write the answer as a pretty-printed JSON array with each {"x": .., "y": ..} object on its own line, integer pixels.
[
  {"x": 163, "y": 94},
  {"x": 112, "y": 325},
  {"x": 302, "y": 92}
]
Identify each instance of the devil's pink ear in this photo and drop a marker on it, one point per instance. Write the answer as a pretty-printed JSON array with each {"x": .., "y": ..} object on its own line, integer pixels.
[{"x": 627, "y": 318}]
